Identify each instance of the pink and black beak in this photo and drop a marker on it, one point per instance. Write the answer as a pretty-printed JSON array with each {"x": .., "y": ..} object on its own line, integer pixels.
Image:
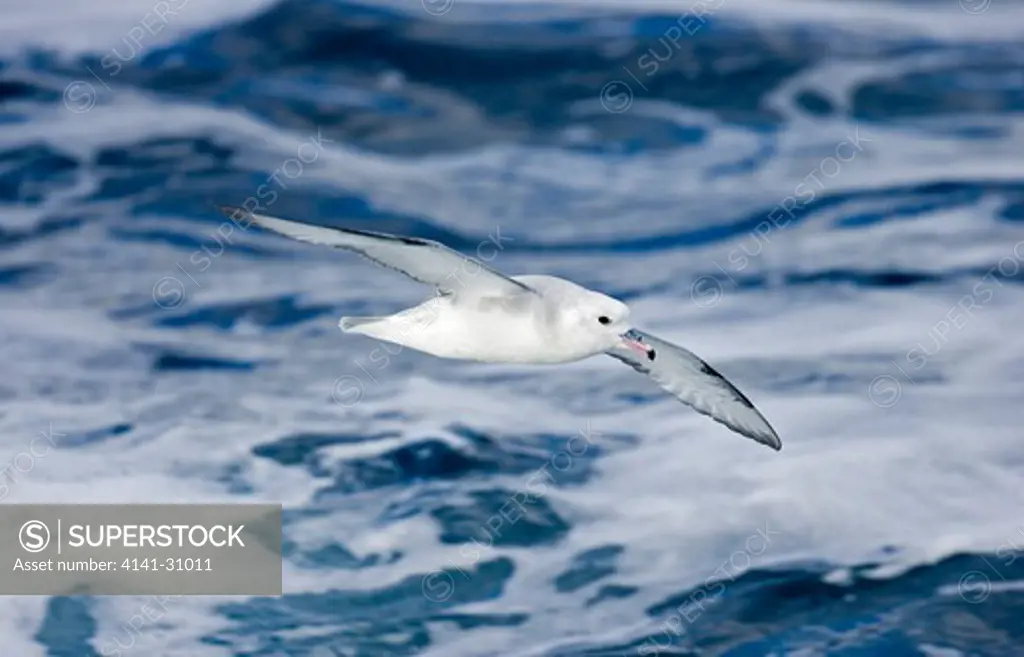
[{"x": 632, "y": 339}]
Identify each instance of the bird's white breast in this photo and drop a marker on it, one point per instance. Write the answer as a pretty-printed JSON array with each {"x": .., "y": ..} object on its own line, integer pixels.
[{"x": 486, "y": 332}]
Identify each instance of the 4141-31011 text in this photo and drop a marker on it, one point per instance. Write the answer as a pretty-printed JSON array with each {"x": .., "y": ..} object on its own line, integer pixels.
[{"x": 128, "y": 565}]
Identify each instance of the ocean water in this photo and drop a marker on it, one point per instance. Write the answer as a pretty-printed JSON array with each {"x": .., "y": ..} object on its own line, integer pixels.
[{"x": 822, "y": 198}]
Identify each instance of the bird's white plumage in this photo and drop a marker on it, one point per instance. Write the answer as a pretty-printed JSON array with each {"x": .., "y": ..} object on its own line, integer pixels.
[{"x": 486, "y": 316}]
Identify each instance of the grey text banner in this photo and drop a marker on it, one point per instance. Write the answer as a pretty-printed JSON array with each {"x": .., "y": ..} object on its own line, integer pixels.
[{"x": 140, "y": 549}]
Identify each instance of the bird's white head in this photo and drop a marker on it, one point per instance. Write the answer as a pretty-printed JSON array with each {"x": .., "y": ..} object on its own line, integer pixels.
[{"x": 603, "y": 323}]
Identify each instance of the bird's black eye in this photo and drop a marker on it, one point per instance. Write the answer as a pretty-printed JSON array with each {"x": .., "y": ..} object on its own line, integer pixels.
[{"x": 604, "y": 320}]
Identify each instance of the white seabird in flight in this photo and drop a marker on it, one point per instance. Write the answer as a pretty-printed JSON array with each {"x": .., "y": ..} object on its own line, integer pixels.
[{"x": 482, "y": 315}]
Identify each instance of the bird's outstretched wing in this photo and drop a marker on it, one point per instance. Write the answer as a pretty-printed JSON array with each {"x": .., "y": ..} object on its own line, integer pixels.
[
  {"x": 422, "y": 260},
  {"x": 699, "y": 385}
]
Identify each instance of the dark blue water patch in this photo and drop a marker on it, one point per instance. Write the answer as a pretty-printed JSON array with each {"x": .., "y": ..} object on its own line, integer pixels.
[
  {"x": 359, "y": 215},
  {"x": 32, "y": 173},
  {"x": 10, "y": 237},
  {"x": 186, "y": 153},
  {"x": 612, "y": 592},
  {"x": 777, "y": 217},
  {"x": 21, "y": 90},
  {"x": 923, "y": 200},
  {"x": 313, "y": 206},
  {"x": 856, "y": 636},
  {"x": 93, "y": 437},
  {"x": 27, "y": 276},
  {"x": 885, "y": 278},
  {"x": 60, "y": 387},
  {"x": 626, "y": 292},
  {"x": 412, "y": 506},
  {"x": 519, "y": 86},
  {"x": 780, "y": 583},
  {"x": 195, "y": 195},
  {"x": 977, "y": 132},
  {"x": 277, "y": 313},
  {"x": 67, "y": 628},
  {"x": 691, "y": 237},
  {"x": 274, "y": 313},
  {"x": 335, "y": 556},
  {"x": 303, "y": 449},
  {"x": 1013, "y": 211},
  {"x": 631, "y": 648},
  {"x": 474, "y": 378},
  {"x": 406, "y": 608},
  {"x": 154, "y": 165},
  {"x": 203, "y": 249},
  {"x": 764, "y": 154},
  {"x": 814, "y": 103},
  {"x": 891, "y": 278},
  {"x": 588, "y": 567},
  {"x": 474, "y": 621},
  {"x": 325, "y": 206},
  {"x": 989, "y": 278},
  {"x": 9, "y": 118},
  {"x": 638, "y": 399},
  {"x": 524, "y": 84},
  {"x": 130, "y": 184},
  {"x": 561, "y": 459},
  {"x": 501, "y": 518},
  {"x": 172, "y": 238},
  {"x": 543, "y": 459},
  {"x": 985, "y": 82},
  {"x": 235, "y": 477},
  {"x": 390, "y": 415},
  {"x": 622, "y": 135},
  {"x": 831, "y": 382},
  {"x": 423, "y": 460},
  {"x": 769, "y": 610},
  {"x": 174, "y": 361}
]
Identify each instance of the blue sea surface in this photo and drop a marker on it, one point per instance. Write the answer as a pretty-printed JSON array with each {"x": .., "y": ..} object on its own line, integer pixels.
[{"x": 823, "y": 199}]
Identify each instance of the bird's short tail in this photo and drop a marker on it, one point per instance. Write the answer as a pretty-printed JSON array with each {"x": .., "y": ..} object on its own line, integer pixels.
[{"x": 353, "y": 324}]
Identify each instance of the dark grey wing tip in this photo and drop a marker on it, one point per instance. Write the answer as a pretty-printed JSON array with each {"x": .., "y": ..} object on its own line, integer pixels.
[
  {"x": 765, "y": 436},
  {"x": 768, "y": 437},
  {"x": 706, "y": 369},
  {"x": 772, "y": 441}
]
